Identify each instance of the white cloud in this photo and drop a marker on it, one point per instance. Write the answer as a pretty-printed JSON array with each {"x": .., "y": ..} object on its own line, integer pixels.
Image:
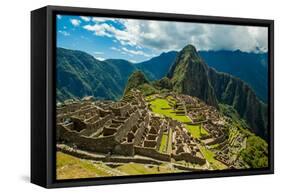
[
  {"x": 103, "y": 19},
  {"x": 98, "y": 53},
  {"x": 130, "y": 52},
  {"x": 75, "y": 22},
  {"x": 100, "y": 58},
  {"x": 85, "y": 18},
  {"x": 164, "y": 36},
  {"x": 135, "y": 52},
  {"x": 115, "y": 49},
  {"x": 65, "y": 33},
  {"x": 100, "y": 29},
  {"x": 132, "y": 61}
]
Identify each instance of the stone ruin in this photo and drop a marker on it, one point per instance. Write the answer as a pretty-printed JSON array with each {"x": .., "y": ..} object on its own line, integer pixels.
[{"x": 125, "y": 128}]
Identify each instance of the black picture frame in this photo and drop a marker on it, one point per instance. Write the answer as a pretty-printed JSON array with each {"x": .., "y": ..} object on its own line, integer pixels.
[{"x": 43, "y": 61}]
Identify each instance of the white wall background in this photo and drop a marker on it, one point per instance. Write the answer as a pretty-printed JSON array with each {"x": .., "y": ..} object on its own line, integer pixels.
[{"x": 15, "y": 95}]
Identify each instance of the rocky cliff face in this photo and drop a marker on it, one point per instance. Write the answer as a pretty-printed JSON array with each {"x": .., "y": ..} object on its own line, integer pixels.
[
  {"x": 233, "y": 91},
  {"x": 189, "y": 75}
]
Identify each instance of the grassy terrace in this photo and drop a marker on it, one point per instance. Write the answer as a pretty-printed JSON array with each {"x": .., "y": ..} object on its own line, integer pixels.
[
  {"x": 195, "y": 130},
  {"x": 209, "y": 155},
  {"x": 70, "y": 167},
  {"x": 162, "y": 107},
  {"x": 164, "y": 143},
  {"x": 157, "y": 106},
  {"x": 139, "y": 169}
]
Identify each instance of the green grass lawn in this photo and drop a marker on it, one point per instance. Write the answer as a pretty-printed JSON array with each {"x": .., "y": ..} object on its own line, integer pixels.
[
  {"x": 69, "y": 167},
  {"x": 158, "y": 104},
  {"x": 209, "y": 155},
  {"x": 169, "y": 146},
  {"x": 164, "y": 142},
  {"x": 195, "y": 130}
]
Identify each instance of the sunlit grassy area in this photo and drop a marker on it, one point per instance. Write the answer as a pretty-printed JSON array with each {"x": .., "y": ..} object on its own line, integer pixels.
[
  {"x": 164, "y": 142},
  {"x": 209, "y": 155},
  {"x": 169, "y": 146},
  {"x": 69, "y": 167},
  {"x": 195, "y": 130},
  {"x": 134, "y": 168},
  {"x": 162, "y": 107}
]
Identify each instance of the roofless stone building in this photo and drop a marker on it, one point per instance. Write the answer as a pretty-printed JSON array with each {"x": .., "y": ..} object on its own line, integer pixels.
[{"x": 125, "y": 128}]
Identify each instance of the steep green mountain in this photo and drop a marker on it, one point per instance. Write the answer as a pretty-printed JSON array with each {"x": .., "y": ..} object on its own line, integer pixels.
[
  {"x": 233, "y": 91},
  {"x": 157, "y": 67},
  {"x": 138, "y": 81},
  {"x": 80, "y": 74},
  {"x": 250, "y": 67},
  {"x": 189, "y": 75}
]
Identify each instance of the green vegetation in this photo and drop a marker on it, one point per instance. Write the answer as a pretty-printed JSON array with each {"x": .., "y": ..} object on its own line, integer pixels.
[
  {"x": 164, "y": 143},
  {"x": 256, "y": 152},
  {"x": 139, "y": 169},
  {"x": 169, "y": 146},
  {"x": 189, "y": 76},
  {"x": 197, "y": 130},
  {"x": 147, "y": 89},
  {"x": 69, "y": 167},
  {"x": 138, "y": 81},
  {"x": 163, "y": 83},
  {"x": 230, "y": 112},
  {"x": 209, "y": 155},
  {"x": 162, "y": 107},
  {"x": 80, "y": 74}
]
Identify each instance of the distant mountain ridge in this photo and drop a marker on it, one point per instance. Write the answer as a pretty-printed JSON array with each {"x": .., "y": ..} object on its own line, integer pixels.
[
  {"x": 157, "y": 67},
  {"x": 250, "y": 67},
  {"x": 80, "y": 74}
]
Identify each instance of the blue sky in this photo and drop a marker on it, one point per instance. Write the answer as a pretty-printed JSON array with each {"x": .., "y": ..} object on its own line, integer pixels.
[{"x": 139, "y": 40}]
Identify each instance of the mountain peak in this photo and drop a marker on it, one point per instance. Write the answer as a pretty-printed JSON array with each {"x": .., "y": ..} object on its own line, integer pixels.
[
  {"x": 189, "y": 76},
  {"x": 136, "y": 79},
  {"x": 189, "y": 48}
]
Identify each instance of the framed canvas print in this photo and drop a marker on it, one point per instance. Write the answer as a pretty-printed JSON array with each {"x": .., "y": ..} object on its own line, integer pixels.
[{"x": 126, "y": 96}]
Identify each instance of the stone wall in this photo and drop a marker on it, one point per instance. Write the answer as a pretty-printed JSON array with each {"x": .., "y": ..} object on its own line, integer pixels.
[
  {"x": 100, "y": 144},
  {"x": 188, "y": 157},
  {"x": 125, "y": 149},
  {"x": 126, "y": 127},
  {"x": 117, "y": 159},
  {"x": 219, "y": 139},
  {"x": 139, "y": 134},
  {"x": 94, "y": 126},
  {"x": 150, "y": 152}
]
